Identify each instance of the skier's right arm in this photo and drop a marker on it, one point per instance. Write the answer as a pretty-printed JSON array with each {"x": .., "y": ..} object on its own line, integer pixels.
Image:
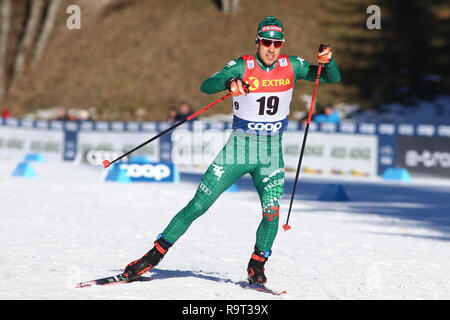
[{"x": 218, "y": 81}]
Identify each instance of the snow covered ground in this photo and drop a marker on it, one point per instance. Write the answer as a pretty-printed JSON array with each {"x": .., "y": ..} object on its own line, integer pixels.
[{"x": 391, "y": 241}]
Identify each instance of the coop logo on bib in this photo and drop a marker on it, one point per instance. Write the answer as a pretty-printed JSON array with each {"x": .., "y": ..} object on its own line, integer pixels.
[{"x": 274, "y": 127}]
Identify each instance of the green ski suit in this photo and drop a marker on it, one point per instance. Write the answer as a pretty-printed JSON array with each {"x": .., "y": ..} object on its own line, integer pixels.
[{"x": 255, "y": 144}]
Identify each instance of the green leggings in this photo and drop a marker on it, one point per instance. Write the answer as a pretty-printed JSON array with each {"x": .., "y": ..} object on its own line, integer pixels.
[{"x": 261, "y": 157}]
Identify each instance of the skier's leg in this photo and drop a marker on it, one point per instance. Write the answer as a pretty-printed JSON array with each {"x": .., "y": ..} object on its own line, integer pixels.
[
  {"x": 269, "y": 182},
  {"x": 217, "y": 179},
  {"x": 270, "y": 190},
  {"x": 221, "y": 174},
  {"x": 214, "y": 182},
  {"x": 228, "y": 166},
  {"x": 268, "y": 179}
]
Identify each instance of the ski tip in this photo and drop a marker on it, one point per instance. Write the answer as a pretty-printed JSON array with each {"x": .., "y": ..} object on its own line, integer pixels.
[
  {"x": 283, "y": 292},
  {"x": 86, "y": 284},
  {"x": 286, "y": 227},
  {"x": 106, "y": 163}
]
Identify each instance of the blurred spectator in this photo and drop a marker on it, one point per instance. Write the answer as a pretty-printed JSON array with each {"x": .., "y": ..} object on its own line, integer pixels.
[
  {"x": 329, "y": 114},
  {"x": 72, "y": 115},
  {"x": 5, "y": 113},
  {"x": 84, "y": 115},
  {"x": 172, "y": 115},
  {"x": 62, "y": 115},
  {"x": 318, "y": 109},
  {"x": 185, "y": 111},
  {"x": 140, "y": 114}
]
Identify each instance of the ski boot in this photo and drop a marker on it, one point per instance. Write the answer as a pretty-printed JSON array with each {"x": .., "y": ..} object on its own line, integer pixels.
[
  {"x": 138, "y": 267},
  {"x": 255, "y": 267}
]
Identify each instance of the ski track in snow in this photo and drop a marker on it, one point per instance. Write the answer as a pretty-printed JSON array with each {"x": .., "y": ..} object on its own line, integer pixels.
[{"x": 67, "y": 226}]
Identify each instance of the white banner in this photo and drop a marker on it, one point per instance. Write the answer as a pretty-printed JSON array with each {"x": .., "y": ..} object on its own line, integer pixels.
[
  {"x": 15, "y": 143},
  {"x": 325, "y": 153},
  {"x": 115, "y": 144},
  {"x": 332, "y": 153}
]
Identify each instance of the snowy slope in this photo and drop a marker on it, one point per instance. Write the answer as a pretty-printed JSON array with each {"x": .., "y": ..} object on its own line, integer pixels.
[{"x": 66, "y": 226}]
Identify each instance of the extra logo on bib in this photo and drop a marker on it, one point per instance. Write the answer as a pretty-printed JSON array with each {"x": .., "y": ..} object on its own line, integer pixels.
[{"x": 255, "y": 83}]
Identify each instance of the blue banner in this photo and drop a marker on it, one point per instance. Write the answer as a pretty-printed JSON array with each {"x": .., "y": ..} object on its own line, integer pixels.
[{"x": 138, "y": 171}]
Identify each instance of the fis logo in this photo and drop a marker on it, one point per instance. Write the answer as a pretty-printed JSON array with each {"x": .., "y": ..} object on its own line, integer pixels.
[{"x": 283, "y": 63}]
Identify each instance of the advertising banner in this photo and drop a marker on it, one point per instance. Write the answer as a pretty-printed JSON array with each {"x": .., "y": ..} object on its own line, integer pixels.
[
  {"x": 143, "y": 172},
  {"x": 332, "y": 154},
  {"x": 346, "y": 149},
  {"x": 325, "y": 153},
  {"x": 16, "y": 142},
  {"x": 96, "y": 146},
  {"x": 430, "y": 156}
]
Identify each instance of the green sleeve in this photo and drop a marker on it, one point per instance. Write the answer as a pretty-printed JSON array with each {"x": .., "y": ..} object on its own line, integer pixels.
[
  {"x": 216, "y": 83},
  {"x": 305, "y": 71}
]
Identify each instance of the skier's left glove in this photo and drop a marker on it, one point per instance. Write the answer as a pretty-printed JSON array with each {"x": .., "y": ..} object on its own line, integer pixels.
[{"x": 324, "y": 55}]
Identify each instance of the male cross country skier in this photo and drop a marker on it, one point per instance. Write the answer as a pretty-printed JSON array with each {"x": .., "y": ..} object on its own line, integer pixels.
[{"x": 261, "y": 85}]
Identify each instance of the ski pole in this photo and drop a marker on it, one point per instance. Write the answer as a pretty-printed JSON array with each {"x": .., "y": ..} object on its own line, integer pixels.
[
  {"x": 107, "y": 163},
  {"x": 286, "y": 226}
]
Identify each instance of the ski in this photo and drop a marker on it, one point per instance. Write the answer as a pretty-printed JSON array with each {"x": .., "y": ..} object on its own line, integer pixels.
[
  {"x": 263, "y": 289},
  {"x": 120, "y": 279},
  {"x": 110, "y": 280}
]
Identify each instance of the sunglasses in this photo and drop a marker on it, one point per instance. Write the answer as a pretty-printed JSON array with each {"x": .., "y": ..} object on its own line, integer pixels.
[{"x": 269, "y": 42}]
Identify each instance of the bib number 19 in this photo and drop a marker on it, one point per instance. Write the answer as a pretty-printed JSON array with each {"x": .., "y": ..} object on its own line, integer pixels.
[{"x": 270, "y": 106}]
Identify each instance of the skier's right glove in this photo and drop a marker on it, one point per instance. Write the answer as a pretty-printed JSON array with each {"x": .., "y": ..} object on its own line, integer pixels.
[{"x": 237, "y": 86}]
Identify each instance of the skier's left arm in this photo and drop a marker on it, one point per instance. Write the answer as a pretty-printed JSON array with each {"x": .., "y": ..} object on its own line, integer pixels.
[{"x": 303, "y": 70}]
